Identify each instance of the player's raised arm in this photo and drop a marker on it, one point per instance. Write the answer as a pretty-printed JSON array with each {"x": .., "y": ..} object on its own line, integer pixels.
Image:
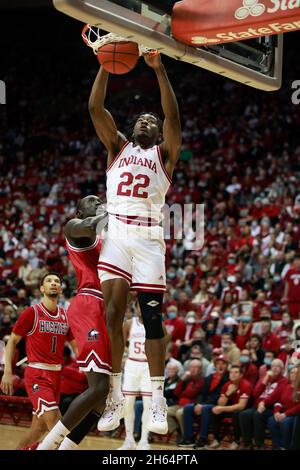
[
  {"x": 171, "y": 127},
  {"x": 102, "y": 119}
]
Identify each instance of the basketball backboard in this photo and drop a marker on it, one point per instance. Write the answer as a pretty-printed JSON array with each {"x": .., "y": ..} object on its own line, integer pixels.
[{"x": 256, "y": 63}]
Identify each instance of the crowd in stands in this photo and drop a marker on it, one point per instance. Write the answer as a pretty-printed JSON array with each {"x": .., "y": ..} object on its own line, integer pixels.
[{"x": 232, "y": 308}]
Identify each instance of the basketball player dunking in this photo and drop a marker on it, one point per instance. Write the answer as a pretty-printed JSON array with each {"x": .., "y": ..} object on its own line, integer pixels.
[
  {"x": 133, "y": 252},
  {"x": 87, "y": 319}
]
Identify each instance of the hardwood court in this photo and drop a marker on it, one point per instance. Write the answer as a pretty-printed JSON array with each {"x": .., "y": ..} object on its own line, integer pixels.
[{"x": 11, "y": 435}]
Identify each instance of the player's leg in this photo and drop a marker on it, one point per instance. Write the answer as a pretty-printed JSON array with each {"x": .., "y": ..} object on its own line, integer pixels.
[
  {"x": 149, "y": 279},
  {"x": 93, "y": 398},
  {"x": 36, "y": 432},
  {"x": 115, "y": 293},
  {"x": 129, "y": 443},
  {"x": 72, "y": 440},
  {"x": 143, "y": 443}
]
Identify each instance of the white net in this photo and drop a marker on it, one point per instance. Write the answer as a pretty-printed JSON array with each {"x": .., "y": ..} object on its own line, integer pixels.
[{"x": 93, "y": 38}]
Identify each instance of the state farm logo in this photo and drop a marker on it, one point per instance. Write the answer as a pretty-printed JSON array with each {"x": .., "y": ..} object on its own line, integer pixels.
[
  {"x": 255, "y": 8},
  {"x": 250, "y": 7}
]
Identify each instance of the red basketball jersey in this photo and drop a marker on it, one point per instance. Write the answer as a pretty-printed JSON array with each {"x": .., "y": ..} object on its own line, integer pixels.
[
  {"x": 84, "y": 261},
  {"x": 45, "y": 333}
]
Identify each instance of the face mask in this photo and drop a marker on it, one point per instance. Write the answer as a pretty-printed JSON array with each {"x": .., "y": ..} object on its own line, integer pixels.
[
  {"x": 244, "y": 359},
  {"x": 231, "y": 261},
  {"x": 171, "y": 275},
  {"x": 291, "y": 366},
  {"x": 246, "y": 319},
  {"x": 225, "y": 345},
  {"x": 266, "y": 286},
  {"x": 191, "y": 321},
  {"x": 267, "y": 361},
  {"x": 277, "y": 278},
  {"x": 227, "y": 315},
  {"x": 172, "y": 315},
  {"x": 285, "y": 322}
]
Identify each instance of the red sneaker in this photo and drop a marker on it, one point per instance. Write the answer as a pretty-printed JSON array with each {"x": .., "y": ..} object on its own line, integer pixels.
[{"x": 31, "y": 446}]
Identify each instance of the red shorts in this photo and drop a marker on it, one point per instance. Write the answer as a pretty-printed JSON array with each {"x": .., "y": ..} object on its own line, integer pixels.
[
  {"x": 43, "y": 389},
  {"x": 86, "y": 316}
]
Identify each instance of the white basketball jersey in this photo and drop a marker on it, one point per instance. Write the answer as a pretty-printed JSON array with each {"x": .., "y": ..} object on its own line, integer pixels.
[
  {"x": 137, "y": 339},
  {"x": 137, "y": 182}
]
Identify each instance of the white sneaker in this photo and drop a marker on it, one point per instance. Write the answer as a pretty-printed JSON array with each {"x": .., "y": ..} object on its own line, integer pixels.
[
  {"x": 113, "y": 413},
  {"x": 143, "y": 445},
  {"x": 158, "y": 417},
  {"x": 128, "y": 444},
  {"x": 213, "y": 446},
  {"x": 233, "y": 446}
]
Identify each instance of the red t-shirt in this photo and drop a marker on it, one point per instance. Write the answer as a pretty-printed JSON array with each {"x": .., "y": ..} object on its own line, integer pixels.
[
  {"x": 244, "y": 391},
  {"x": 45, "y": 333},
  {"x": 293, "y": 279}
]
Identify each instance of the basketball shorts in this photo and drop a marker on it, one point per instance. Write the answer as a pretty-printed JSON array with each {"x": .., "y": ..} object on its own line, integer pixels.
[
  {"x": 43, "y": 389},
  {"x": 136, "y": 254},
  {"x": 86, "y": 316},
  {"x": 136, "y": 379}
]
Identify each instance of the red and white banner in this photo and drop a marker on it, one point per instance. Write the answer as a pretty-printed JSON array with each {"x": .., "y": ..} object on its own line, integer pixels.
[{"x": 206, "y": 22}]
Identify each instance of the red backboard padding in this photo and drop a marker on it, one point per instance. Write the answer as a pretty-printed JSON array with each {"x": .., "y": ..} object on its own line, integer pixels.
[{"x": 204, "y": 22}]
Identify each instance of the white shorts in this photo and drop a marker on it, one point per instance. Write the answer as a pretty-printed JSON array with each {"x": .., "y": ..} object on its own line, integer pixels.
[
  {"x": 136, "y": 379},
  {"x": 136, "y": 254}
]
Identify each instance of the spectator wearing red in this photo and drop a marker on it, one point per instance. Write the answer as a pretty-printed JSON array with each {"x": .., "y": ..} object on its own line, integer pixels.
[
  {"x": 184, "y": 304},
  {"x": 243, "y": 331},
  {"x": 286, "y": 351},
  {"x": 175, "y": 325},
  {"x": 266, "y": 366},
  {"x": 292, "y": 289},
  {"x": 285, "y": 411},
  {"x": 253, "y": 421},
  {"x": 269, "y": 340},
  {"x": 186, "y": 391},
  {"x": 285, "y": 329},
  {"x": 249, "y": 370},
  {"x": 233, "y": 289},
  {"x": 233, "y": 400}
]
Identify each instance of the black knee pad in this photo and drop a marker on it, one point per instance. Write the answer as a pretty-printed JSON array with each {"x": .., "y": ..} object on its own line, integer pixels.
[{"x": 151, "y": 309}]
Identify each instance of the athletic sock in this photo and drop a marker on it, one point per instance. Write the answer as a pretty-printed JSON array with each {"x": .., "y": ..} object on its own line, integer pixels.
[
  {"x": 157, "y": 385},
  {"x": 54, "y": 438},
  {"x": 67, "y": 444},
  {"x": 116, "y": 392}
]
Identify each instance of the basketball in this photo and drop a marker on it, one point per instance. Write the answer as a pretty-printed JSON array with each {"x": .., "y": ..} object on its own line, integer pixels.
[{"x": 118, "y": 57}]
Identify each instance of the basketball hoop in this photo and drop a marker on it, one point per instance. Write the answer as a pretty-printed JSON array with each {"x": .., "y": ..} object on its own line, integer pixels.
[{"x": 92, "y": 37}]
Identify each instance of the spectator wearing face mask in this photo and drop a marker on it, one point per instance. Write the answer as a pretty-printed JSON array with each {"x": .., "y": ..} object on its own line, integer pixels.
[
  {"x": 230, "y": 349},
  {"x": 285, "y": 411},
  {"x": 249, "y": 370},
  {"x": 268, "y": 359},
  {"x": 175, "y": 325},
  {"x": 253, "y": 421}
]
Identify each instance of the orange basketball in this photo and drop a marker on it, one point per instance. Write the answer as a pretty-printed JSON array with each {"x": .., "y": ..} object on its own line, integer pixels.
[{"x": 118, "y": 57}]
